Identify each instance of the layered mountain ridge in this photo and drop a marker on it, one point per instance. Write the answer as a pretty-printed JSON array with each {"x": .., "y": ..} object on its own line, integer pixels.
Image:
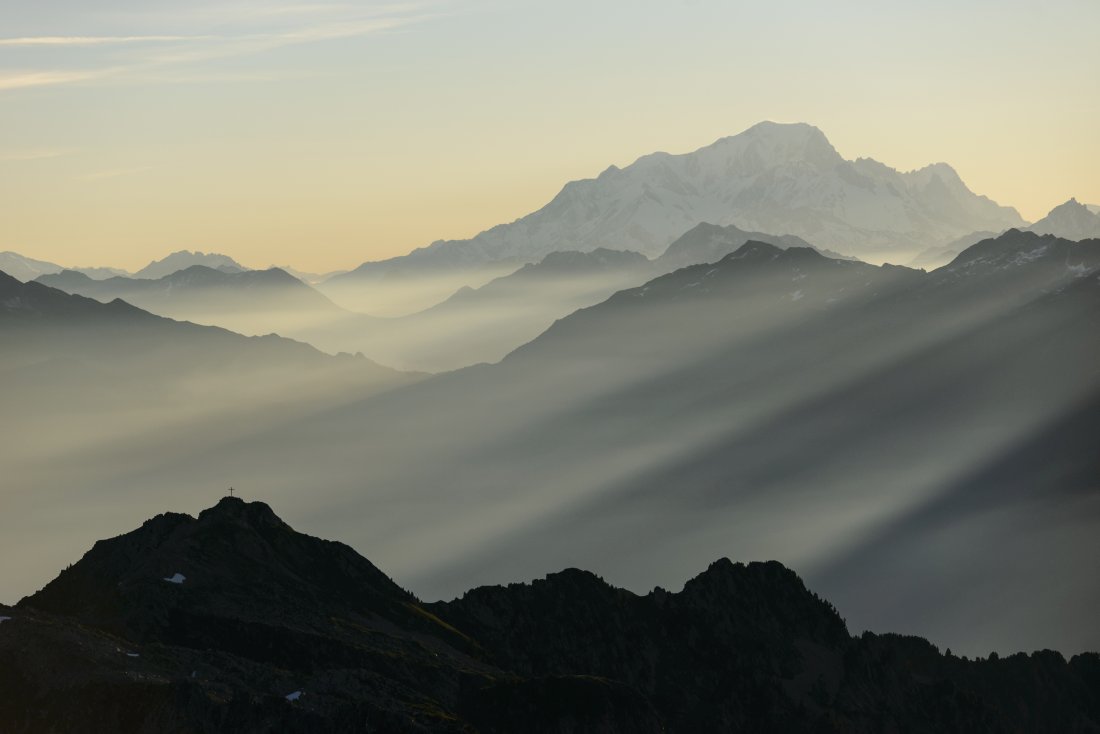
[
  {"x": 235, "y": 619},
  {"x": 199, "y": 291},
  {"x": 847, "y": 419},
  {"x": 783, "y": 178}
]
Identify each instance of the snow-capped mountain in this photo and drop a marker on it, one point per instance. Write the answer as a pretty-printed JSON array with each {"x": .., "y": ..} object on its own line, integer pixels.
[
  {"x": 26, "y": 269},
  {"x": 186, "y": 258},
  {"x": 1072, "y": 221},
  {"x": 778, "y": 178}
]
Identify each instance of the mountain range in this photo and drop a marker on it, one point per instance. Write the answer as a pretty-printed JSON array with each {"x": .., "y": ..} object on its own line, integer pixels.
[
  {"x": 247, "y": 301},
  {"x": 25, "y": 268},
  {"x": 864, "y": 424},
  {"x": 777, "y": 178},
  {"x": 185, "y": 259},
  {"x": 471, "y": 326},
  {"x": 484, "y": 324},
  {"x": 110, "y": 387},
  {"x": 1071, "y": 221},
  {"x": 235, "y": 620}
]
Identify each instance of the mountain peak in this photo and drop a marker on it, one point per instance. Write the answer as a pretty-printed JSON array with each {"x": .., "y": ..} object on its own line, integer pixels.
[
  {"x": 1071, "y": 205},
  {"x": 181, "y": 259},
  {"x": 772, "y": 177},
  {"x": 785, "y": 130},
  {"x": 1071, "y": 220},
  {"x": 767, "y": 144},
  {"x": 1026, "y": 250},
  {"x": 195, "y": 640},
  {"x": 236, "y": 560},
  {"x": 755, "y": 250},
  {"x": 236, "y": 509}
]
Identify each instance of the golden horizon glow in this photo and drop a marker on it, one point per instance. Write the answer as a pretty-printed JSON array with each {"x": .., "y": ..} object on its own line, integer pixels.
[{"x": 323, "y": 136}]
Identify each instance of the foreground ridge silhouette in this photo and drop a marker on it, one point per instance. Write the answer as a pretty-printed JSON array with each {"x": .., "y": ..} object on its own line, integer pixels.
[{"x": 233, "y": 621}]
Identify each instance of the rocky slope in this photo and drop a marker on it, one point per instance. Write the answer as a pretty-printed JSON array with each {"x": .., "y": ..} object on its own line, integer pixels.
[
  {"x": 234, "y": 621},
  {"x": 1071, "y": 220}
]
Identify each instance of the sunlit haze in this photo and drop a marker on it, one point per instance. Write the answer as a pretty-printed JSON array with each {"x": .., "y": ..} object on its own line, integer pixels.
[{"x": 526, "y": 366}]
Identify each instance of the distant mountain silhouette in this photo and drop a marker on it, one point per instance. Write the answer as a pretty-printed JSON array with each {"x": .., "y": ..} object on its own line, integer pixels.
[
  {"x": 248, "y": 301},
  {"x": 935, "y": 257},
  {"x": 486, "y": 323},
  {"x": 1071, "y": 220},
  {"x": 473, "y": 325},
  {"x": 306, "y": 277},
  {"x": 775, "y": 403},
  {"x": 53, "y": 322},
  {"x": 200, "y": 288},
  {"x": 233, "y": 619},
  {"x": 859, "y": 423},
  {"x": 708, "y": 243},
  {"x": 182, "y": 259},
  {"x": 24, "y": 268},
  {"x": 772, "y": 178}
]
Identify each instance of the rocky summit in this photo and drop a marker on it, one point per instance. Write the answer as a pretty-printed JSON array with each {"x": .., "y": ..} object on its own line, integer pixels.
[{"x": 233, "y": 621}]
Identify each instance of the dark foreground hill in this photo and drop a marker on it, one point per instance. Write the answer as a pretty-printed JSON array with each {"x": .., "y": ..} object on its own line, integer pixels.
[{"x": 235, "y": 622}]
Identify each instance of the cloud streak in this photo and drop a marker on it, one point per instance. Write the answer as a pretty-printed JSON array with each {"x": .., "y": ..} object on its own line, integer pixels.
[
  {"x": 95, "y": 40},
  {"x": 25, "y": 80},
  {"x": 170, "y": 50}
]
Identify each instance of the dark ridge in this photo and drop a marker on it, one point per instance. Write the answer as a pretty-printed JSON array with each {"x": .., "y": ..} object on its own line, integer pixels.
[
  {"x": 235, "y": 621},
  {"x": 755, "y": 250}
]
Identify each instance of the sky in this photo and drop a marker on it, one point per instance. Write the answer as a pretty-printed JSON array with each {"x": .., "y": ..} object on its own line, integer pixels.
[{"x": 322, "y": 135}]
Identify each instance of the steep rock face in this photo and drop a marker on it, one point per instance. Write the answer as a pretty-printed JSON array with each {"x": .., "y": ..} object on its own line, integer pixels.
[{"x": 259, "y": 628}]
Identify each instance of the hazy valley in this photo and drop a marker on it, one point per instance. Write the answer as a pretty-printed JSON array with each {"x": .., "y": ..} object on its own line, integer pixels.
[{"x": 718, "y": 354}]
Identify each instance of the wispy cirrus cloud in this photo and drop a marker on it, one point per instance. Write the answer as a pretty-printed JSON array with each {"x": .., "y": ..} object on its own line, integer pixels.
[
  {"x": 139, "y": 54},
  {"x": 95, "y": 40},
  {"x": 23, "y": 80}
]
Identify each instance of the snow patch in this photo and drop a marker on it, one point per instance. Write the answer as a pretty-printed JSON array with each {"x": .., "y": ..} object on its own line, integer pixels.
[
  {"x": 4, "y": 619},
  {"x": 294, "y": 696},
  {"x": 1078, "y": 271},
  {"x": 177, "y": 578},
  {"x": 132, "y": 655},
  {"x": 796, "y": 296},
  {"x": 1030, "y": 255}
]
